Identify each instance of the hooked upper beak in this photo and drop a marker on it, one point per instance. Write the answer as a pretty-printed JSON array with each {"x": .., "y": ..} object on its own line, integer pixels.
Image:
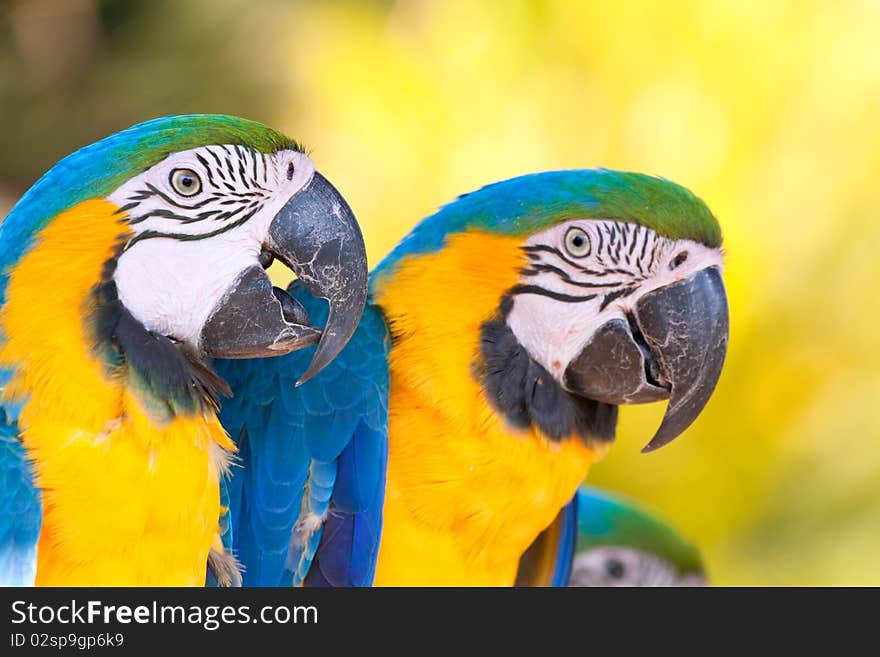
[
  {"x": 317, "y": 236},
  {"x": 672, "y": 347}
]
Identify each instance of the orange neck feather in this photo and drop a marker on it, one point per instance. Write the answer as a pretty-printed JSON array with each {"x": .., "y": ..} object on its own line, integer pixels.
[
  {"x": 127, "y": 500},
  {"x": 466, "y": 492}
]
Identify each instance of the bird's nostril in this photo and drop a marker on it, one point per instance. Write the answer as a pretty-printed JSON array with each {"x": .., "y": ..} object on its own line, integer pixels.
[{"x": 678, "y": 260}]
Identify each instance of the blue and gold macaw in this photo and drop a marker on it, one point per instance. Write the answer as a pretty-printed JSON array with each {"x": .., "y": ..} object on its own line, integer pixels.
[
  {"x": 498, "y": 341},
  {"x": 123, "y": 271},
  {"x": 604, "y": 539}
]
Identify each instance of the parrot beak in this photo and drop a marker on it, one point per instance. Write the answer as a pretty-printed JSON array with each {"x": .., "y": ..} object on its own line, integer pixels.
[
  {"x": 672, "y": 347},
  {"x": 317, "y": 236}
]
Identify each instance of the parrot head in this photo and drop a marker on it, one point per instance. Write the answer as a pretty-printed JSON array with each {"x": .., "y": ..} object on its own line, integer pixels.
[
  {"x": 204, "y": 203},
  {"x": 614, "y": 297},
  {"x": 621, "y": 544}
]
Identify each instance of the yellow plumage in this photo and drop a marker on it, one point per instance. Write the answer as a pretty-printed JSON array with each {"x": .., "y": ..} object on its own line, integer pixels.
[
  {"x": 127, "y": 500},
  {"x": 466, "y": 493}
]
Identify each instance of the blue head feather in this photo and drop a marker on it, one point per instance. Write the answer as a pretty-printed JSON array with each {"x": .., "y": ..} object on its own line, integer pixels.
[{"x": 534, "y": 202}]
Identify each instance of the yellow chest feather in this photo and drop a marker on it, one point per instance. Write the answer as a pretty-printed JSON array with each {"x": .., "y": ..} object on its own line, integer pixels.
[
  {"x": 466, "y": 493},
  {"x": 127, "y": 500}
]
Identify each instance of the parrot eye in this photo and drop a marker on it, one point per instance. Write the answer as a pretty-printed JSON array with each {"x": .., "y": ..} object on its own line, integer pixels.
[
  {"x": 577, "y": 242},
  {"x": 615, "y": 569},
  {"x": 186, "y": 182}
]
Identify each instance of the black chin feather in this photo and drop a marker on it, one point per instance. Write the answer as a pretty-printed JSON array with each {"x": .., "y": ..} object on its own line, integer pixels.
[
  {"x": 526, "y": 394},
  {"x": 170, "y": 378}
]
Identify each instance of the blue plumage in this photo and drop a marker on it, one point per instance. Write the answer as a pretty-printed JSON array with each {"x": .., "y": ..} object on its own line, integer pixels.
[
  {"x": 20, "y": 510},
  {"x": 350, "y": 542},
  {"x": 568, "y": 518},
  {"x": 307, "y": 453}
]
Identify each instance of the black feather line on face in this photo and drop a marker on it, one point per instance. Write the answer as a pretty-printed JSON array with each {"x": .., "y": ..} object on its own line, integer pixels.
[
  {"x": 207, "y": 168},
  {"x": 546, "y": 248},
  {"x": 633, "y": 243},
  {"x": 533, "y": 253},
  {"x": 168, "y": 214},
  {"x": 617, "y": 294},
  {"x": 525, "y": 393},
  {"x": 558, "y": 296},
  {"x": 241, "y": 171},
  {"x": 534, "y": 269},
  {"x": 254, "y": 160},
  {"x": 170, "y": 378},
  {"x": 186, "y": 237},
  {"x": 221, "y": 171}
]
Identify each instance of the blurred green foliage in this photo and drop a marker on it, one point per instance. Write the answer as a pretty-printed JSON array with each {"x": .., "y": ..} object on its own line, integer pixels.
[{"x": 768, "y": 110}]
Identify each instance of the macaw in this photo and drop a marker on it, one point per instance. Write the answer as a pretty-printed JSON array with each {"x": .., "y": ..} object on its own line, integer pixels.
[
  {"x": 604, "y": 539},
  {"x": 123, "y": 271},
  {"x": 499, "y": 338}
]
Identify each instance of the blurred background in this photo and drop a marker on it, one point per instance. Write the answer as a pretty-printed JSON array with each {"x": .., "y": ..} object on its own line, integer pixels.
[{"x": 768, "y": 110}]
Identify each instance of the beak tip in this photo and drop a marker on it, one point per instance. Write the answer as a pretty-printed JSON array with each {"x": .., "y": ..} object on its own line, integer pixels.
[
  {"x": 673, "y": 425},
  {"x": 311, "y": 372},
  {"x": 654, "y": 445},
  {"x": 308, "y": 375}
]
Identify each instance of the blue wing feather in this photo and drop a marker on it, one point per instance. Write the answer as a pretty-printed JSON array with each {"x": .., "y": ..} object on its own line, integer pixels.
[
  {"x": 317, "y": 451},
  {"x": 349, "y": 546},
  {"x": 20, "y": 509},
  {"x": 568, "y": 518}
]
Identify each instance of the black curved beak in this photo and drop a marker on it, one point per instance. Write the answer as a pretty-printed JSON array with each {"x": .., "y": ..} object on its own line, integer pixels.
[
  {"x": 672, "y": 347},
  {"x": 317, "y": 236}
]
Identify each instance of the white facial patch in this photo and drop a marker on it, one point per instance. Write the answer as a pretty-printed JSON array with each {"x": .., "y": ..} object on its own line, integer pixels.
[
  {"x": 199, "y": 219},
  {"x": 584, "y": 273}
]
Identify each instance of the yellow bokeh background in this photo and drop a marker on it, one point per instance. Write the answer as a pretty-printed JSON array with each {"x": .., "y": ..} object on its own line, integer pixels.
[{"x": 770, "y": 111}]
